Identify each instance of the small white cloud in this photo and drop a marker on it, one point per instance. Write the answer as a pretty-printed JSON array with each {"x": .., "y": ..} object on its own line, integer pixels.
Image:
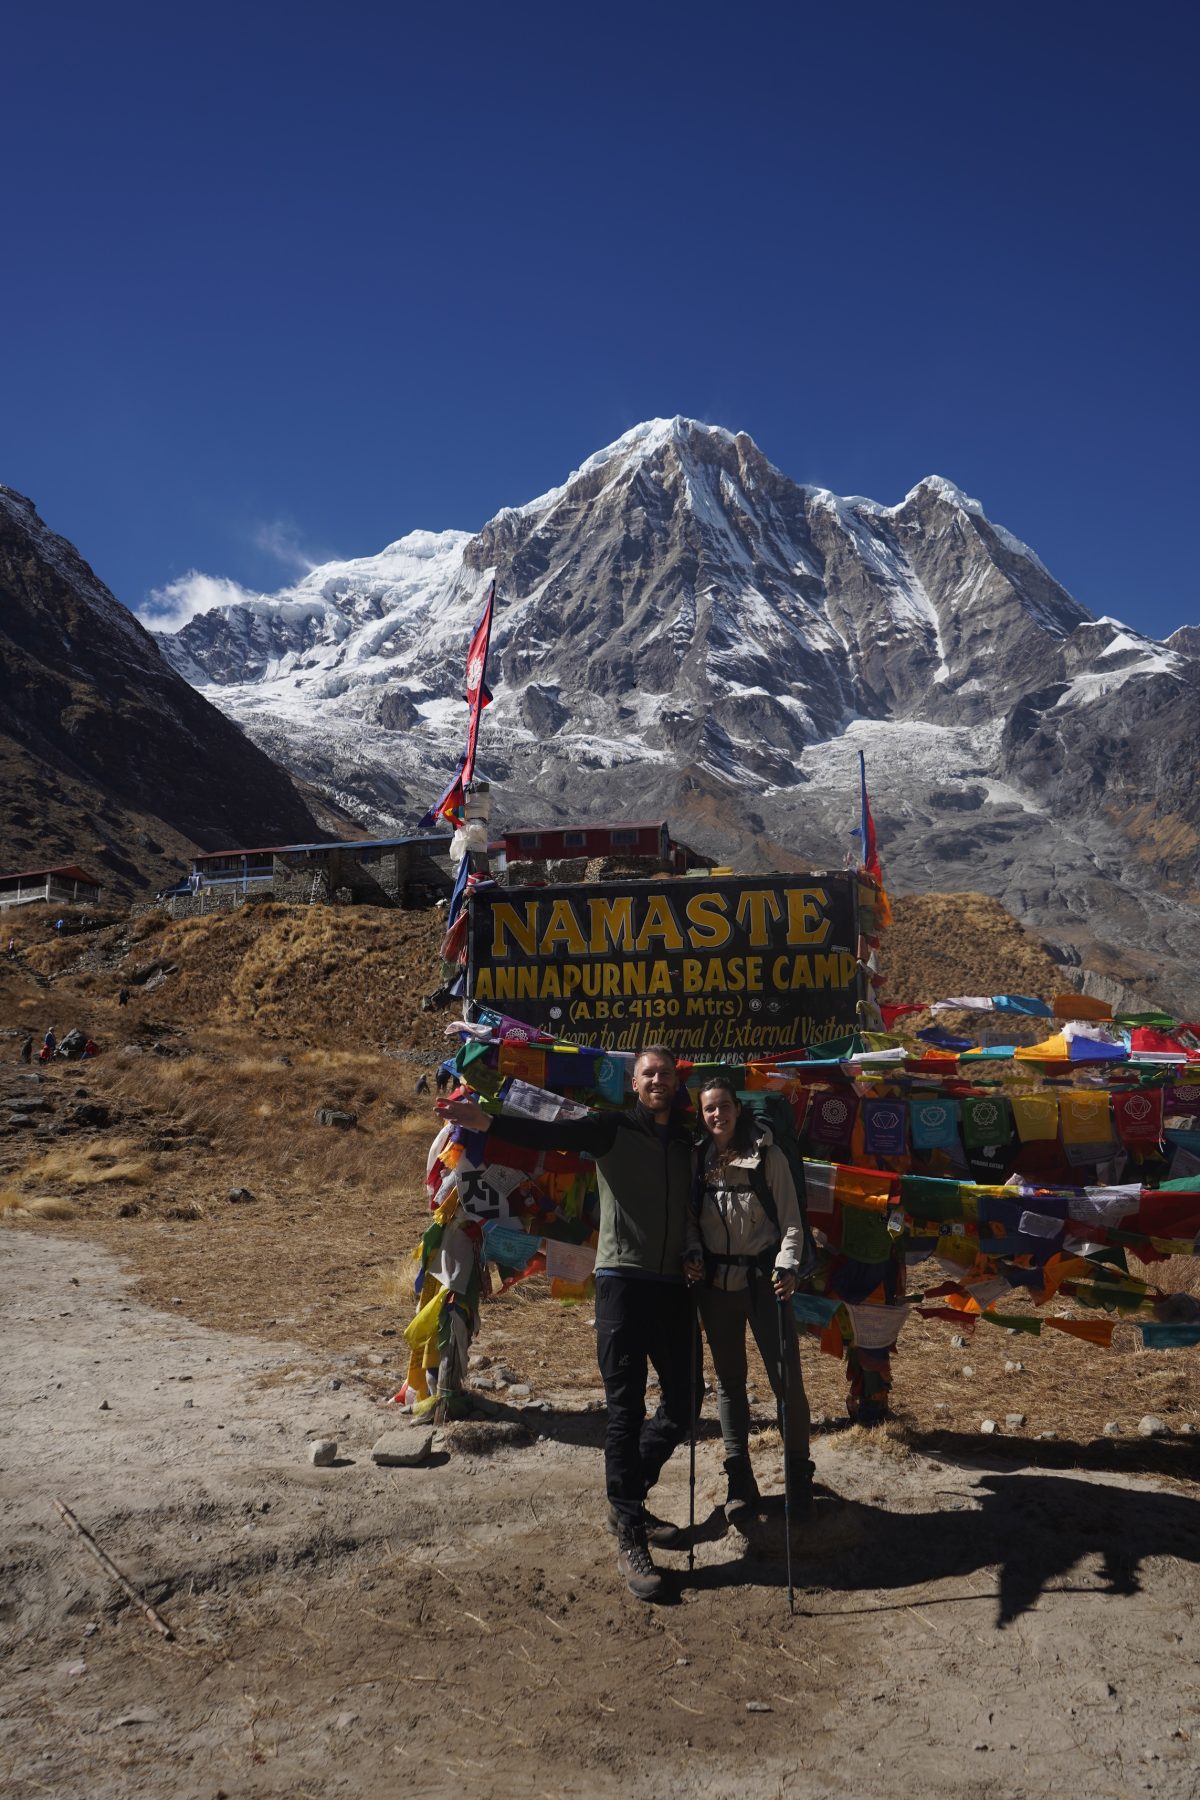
[
  {"x": 281, "y": 539},
  {"x": 169, "y": 608}
]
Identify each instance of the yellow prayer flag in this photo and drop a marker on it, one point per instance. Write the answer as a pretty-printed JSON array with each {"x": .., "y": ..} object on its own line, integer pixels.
[
  {"x": 1036, "y": 1116},
  {"x": 1085, "y": 1118}
]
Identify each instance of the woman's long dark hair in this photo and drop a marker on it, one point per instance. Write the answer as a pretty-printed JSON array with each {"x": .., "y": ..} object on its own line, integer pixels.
[{"x": 745, "y": 1131}]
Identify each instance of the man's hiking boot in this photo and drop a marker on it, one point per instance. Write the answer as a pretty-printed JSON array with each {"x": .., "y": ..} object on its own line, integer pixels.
[
  {"x": 742, "y": 1496},
  {"x": 633, "y": 1563},
  {"x": 659, "y": 1532}
]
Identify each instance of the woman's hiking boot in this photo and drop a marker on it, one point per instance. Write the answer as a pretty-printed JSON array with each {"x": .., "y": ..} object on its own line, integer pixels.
[
  {"x": 659, "y": 1532},
  {"x": 633, "y": 1562},
  {"x": 742, "y": 1496}
]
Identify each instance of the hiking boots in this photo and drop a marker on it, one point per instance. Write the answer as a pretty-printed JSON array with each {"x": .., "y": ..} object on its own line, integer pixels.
[
  {"x": 633, "y": 1563},
  {"x": 742, "y": 1496},
  {"x": 659, "y": 1532}
]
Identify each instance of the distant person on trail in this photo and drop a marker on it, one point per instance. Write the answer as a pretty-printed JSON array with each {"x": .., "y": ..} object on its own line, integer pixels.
[
  {"x": 25, "y": 1054},
  {"x": 643, "y": 1313},
  {"x": 91, "y": 1048},
  {"x": 49, "y": 1043},
  {"x": 422, "y": 1083},
  {"x": 746, "y": 1245},
  {"x": 12, "y": 948},
  {"x": 123, "y": 997},
  {"x": 443, "y": 1079},
  {"x": 60, "y": 925}
]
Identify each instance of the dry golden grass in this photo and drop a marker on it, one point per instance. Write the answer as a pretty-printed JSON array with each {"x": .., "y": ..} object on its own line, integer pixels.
[
  {"x": 92, "y": 1165},
  {"x": 41, "y": 1206}
]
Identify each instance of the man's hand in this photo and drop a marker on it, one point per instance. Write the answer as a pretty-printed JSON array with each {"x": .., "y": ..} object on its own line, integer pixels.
[
  {"x": 693, "y": 1269},
  {"x": 467, "y": 1113},
  {"x": 784, "y": 1283}
]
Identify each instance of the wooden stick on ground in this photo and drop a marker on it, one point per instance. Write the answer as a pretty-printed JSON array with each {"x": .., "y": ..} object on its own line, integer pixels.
[{"x": 68, "y": 1518}]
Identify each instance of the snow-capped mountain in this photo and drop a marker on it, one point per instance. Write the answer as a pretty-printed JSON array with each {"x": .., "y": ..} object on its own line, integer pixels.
[{"x": 683, "y": 630}]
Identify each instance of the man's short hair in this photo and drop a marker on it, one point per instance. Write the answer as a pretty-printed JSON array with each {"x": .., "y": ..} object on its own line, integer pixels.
[{"x": 663, "y": 1050}]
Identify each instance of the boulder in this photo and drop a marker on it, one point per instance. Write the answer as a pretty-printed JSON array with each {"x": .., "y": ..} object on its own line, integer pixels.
[
  {"x": 332, "y": 1115},
  {"x": 403, "y": 1449}
]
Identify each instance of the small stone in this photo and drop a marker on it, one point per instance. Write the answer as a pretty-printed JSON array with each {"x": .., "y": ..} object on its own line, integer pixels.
[
  {"x": 958, "y": 1341},
  {"x": 91, "y": 1630},
  {"x": 104, "y": 1407},
  {"x": 239, "y": 1196},
  {"x": 403, "y": 1449},
  {"x": 682, "y": 1662},
  {"x": 137, "y": 1715},
  {"x": 332, "y": 1115},
  {"x": 988, "y": 1427},
  {"x": 479, "y": 1361},
  {"x": 1014, "y": 1368},
  {"x": 968, "y": 1370},
  {"x": 177, "y": 1302},
  {"x": 1014, "y": 1421},
  {"x": 758, "y": 1706},
  {"x": 1112, "y": 1429},
  {"x": 1188, "y": 1428},
  {"x": 520, "y": 1390},
  {"x": 189, "y": 1403},
  {"x": 1047, "y": 1434},
  {"x": 321, "y": 1452},
  {"x": 345, "y": 1721},
  {"x": 1151, "y": 1426},
  {"x": 374, "y": 1358},
  {"x": 980, "y": 1746},
  {"x": 78, "y": 1667},
  {"x": 335, "y": 1384},
  {"x": 939, "y": 1406},
  {"x": 505, "y": 1375}
]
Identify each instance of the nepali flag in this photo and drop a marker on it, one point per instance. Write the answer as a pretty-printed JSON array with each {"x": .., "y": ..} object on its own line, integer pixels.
[
  {"x": 451, "y": 804},
  {"x": 478, "y": 693},
  {"x": 865, "y": 829}
]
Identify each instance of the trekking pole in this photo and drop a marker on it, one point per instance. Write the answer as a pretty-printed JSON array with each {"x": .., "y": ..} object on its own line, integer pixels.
[
  {"x": 694, "y": 1332},
  {"x": 787, "y": 1466}
]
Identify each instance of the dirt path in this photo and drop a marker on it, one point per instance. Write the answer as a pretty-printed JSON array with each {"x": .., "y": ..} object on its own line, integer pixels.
[{"x": 962, "y": 1629}]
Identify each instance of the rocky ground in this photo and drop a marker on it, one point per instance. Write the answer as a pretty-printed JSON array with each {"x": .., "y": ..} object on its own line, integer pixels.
[{"x": 199, "y": 1281}]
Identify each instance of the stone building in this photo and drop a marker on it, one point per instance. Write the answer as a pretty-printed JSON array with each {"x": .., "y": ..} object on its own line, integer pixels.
[{"x": 404, "y": 871}]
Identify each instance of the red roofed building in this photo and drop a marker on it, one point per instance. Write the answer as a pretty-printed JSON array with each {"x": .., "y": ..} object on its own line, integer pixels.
[
  {"x": 64, "y": 885},
  {"x": 636, "y": 841}
]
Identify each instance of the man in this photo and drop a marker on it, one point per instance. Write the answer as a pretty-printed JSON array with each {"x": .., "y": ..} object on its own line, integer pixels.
[{"x": 643, "y": 1314}]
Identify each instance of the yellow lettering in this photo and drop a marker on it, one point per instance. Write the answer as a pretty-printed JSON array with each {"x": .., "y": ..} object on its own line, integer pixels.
[
  {"x": 562, "y": 927},
  {"x": 710, "y": 929},
  {"x": 527, "y": 983},
  {"x": 660, "y": 978},
  {"x": 507, "y": 918},
  {"x": 825, "y": 969},
  {"x": 633, "y": 978},
  {"x": 807, "y": 923},
  {"x": 611, "y": 924},
  {"x": 691, "y": 974},
  {"x": 661, "y": 924},
  {"x": 757, "y": 904}
]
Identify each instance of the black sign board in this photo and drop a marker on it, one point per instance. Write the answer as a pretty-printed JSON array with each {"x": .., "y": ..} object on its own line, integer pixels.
[{"x": 730, "y": 967}]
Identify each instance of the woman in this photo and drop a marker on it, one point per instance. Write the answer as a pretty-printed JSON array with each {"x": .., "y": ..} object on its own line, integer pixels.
[{"x": 745, "y": 1244}]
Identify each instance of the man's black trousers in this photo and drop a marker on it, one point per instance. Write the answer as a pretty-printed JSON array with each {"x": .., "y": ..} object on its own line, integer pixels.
[{"x": 640, "y": 1323}]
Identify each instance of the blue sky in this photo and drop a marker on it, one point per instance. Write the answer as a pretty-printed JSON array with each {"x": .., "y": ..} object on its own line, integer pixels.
[{"x": 286, "y": 281}]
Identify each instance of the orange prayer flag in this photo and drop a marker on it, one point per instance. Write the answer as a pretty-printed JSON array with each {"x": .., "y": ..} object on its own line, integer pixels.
[
  {"x": 1092, "y": 1331},
  {"x": 1080, "y": 1006}
]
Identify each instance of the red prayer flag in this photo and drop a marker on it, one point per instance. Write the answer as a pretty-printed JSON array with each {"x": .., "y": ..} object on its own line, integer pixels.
[
  {"x": 478, "y": 693},
  {"x": 1139, "y": 1117}
]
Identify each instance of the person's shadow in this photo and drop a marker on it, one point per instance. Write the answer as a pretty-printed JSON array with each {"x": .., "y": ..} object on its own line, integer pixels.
[{"x": 1035, "y": 1529}]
